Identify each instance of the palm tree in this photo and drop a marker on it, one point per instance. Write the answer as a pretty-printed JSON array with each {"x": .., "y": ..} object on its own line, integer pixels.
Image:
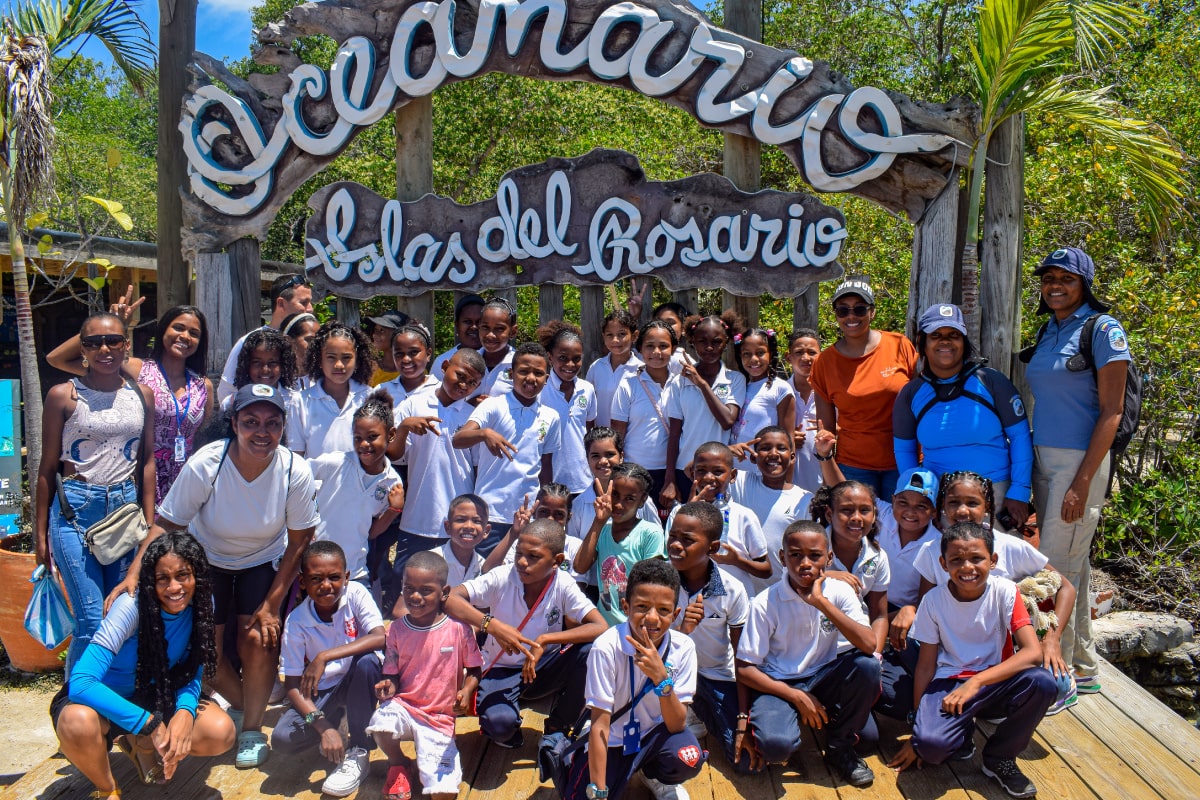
[
  {"x": 32, "y": 36},
  {"x": 1026, "y": 59}
]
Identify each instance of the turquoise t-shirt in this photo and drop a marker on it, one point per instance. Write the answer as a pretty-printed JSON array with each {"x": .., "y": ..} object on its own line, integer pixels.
[{"x": 615, "y": 559}]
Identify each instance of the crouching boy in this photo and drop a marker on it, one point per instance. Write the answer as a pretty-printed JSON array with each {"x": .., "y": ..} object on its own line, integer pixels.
[{"x": 640, "y": 680}]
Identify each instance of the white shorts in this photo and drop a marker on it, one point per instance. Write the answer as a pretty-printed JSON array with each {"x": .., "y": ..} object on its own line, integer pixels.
[{"x": 437, "y": 754}]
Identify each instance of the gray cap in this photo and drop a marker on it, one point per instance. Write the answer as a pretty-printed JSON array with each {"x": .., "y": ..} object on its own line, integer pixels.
[{"x": 253, "y": 393}]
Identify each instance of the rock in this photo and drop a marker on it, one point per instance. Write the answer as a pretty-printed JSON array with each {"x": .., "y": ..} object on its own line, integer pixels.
[{"x": 1125, "y": 635}]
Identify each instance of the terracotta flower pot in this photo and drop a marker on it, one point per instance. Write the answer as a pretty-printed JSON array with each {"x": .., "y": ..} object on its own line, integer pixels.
[{"x": 24, "y": 653}]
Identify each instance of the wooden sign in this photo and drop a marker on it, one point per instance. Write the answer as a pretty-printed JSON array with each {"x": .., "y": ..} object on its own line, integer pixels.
[
  {"x": 588, "y": 220},
  {"x": 251, "y": 143}
]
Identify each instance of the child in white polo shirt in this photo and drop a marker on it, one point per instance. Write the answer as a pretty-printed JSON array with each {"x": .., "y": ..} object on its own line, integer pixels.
[
  {"x": 573, "y": 398},
  {"x": 715, "y": 607},
  {"x": 340, "y": 362},
  {"x": 530, "y": 651},
  {"x": 968, "y": 628},
  {"x": 807, "y": 657},
  {"x": 520, "y": 436},
  {"x": 497, "y": 327},
  {"x": 646, "y": 672}
]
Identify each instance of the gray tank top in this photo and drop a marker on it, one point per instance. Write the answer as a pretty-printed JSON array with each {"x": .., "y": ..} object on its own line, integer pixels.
[{"x": 101, "y": 438}]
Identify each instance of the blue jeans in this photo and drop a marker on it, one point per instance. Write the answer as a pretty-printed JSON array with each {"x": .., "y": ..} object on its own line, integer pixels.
[
  {"x": 883, "y": 481},
  {"x": 87, "y": 581},
  {"x": 716, "y": 704}
]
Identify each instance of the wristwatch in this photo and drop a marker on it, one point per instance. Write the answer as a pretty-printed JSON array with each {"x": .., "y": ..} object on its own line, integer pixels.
[
  {"x": 666, "y": 688},
  {"x": 311, "y": 717},
  {"x": 594, "y": 792}
]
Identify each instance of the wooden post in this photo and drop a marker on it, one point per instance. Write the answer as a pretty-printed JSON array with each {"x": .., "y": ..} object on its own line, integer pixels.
[
  {"x": 1000, "y": 265},
  {"x": 414, "y": 180},
  {"x": 689, "y": 299},
  {"x": 591, "y": 315},
  {"x": 176, "y": 42},
  {"x": 804, "y": 312},
  {"x": 934, "y": 255},
  {"x": 550, "y": 303},
  {"x": 230, "y": 295},
  {"x": 349, "y": 311}
]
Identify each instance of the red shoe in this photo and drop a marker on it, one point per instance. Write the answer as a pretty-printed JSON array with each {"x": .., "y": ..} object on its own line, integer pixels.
[{"x": 396, "y": 785}]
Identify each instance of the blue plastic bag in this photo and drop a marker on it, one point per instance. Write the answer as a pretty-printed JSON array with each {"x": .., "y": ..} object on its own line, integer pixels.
[{"x": 48, "y": 618}]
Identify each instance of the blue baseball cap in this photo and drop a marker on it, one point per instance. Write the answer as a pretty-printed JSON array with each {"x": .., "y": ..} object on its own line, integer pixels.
[
  {"x": 942, "y": 315},
  {"x": 253, "y": 393},
  {"x": 918, "y": 480},
  {"x": 1077, "y": 262}
]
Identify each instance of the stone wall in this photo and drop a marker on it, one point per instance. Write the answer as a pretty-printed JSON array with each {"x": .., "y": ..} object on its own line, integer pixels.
[{"x": 1157, "y": 651}]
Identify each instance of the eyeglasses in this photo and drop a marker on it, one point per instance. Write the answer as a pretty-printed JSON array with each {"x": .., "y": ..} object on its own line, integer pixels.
[
  {"x": 113, "y": 341},
  {"x": 859, "y": 310}
]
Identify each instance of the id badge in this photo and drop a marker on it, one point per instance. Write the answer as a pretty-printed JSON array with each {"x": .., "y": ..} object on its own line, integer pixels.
[
  {"x": 180, "y": 449},
  {"x": 631, "y": 738}
]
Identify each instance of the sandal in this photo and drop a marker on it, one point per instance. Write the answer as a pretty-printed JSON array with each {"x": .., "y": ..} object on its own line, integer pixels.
[
  {"x": 100, "y": 794},
  {"x": 252, "y": 749},
  {"x": 396, "y": 786},
  {"x": 149, "y": 765}
]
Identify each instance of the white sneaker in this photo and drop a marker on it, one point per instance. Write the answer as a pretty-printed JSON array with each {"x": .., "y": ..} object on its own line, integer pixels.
[
  {"x": 344, "y": 780},
  {"x": 665, "y": 791}
]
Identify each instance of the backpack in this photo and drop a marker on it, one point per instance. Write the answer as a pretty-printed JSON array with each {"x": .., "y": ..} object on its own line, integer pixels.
[
  {"x": 1131, "y": 409},
  {"x": 945, "y": 392}
]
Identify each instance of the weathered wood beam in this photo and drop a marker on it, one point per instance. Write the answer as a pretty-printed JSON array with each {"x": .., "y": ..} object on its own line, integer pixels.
[
  {"x": 414, "y": 180},
  {"x": 934, "y": 255},
  {"x": 1003, "y": 229},
  {"x": 176, "y": 43}
]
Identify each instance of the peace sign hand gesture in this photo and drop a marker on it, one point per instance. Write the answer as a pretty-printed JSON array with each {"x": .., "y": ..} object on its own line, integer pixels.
[
  {"x": 126, "y": 306},
  {"x": 646, "y": 656},
  {"x": 603, "y": 504}
]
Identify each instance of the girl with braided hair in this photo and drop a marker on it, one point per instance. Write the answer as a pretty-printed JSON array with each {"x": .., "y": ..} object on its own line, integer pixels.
[{"x": 138, "y": 682}]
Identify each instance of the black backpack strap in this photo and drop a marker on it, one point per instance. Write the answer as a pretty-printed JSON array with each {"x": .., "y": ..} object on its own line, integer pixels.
[
  {"x": 1026, "y": 353},
  {"x": 1085, "y": 342},
  {"x": 956, "y": 390}
]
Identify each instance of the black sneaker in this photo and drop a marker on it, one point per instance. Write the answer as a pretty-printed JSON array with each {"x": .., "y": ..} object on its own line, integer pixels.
[
  {"x": 1009, "y": 775},
  {"x": 964, "y": 753},
  {"x": 849, "y": 767}
]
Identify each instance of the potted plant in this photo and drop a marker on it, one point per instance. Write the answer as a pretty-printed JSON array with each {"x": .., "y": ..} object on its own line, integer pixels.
[{"x": 17, "y": 563}]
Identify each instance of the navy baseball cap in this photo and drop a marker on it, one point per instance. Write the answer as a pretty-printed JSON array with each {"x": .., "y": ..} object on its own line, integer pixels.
[
  {"x": 253, "y": 393},
  {"x": 467, "y": 300},
  {"x": 918, "y": 480},
  {"x": 942, "y": 315},
  {"x": 391, "y": 319},
  {"x": 1077, "y": 262},
  {"x": 854, "y": 286}
]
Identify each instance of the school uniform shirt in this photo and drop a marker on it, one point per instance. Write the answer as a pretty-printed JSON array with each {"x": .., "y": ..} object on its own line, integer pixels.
[
  {"x": 678, "y": 359},
  {"x": 1067, "y": 404},
  {"x": 498, "y": 379},
  {"x": 606, "y": 379},
  {"x": 970, "y": 636},
  {"x": 241, "y": 523},
  {"x": 459, "y": 573},
  {"x": 808, "y": 469},
  {"x": 615, "y": 559},
  {"x": 905, "y": 584},
  {"x": 535, "y": 430},
  {"x": 438, "y": 366},
  {"x": 640, "y": 402},
  {"x": 871, "y": 567},
  {"x": 351, "y": 499},
  {"x": 438, "y": 472},
  {"x": 427, "y": 665},
  {"x": 686, "y": 402},
  {"x": 399, "y": 394},
  {"x": 610, "y": 684},
  {"x": 741, "y": 533},
  {"x": 760, "y": 409},
  {"x": 315, "y": 423},
  {"x": 306, "y": 635},
  {"x": 571, "y": 546},
  {"x": 570, "y": 462},
  {"x": 775, "y": 509},
  {"x": 1016, "y": 559},
  {"x": 502, "y": 592},
  {"x": 726, "y": 605},
  {"x": 788, "y": 639}
]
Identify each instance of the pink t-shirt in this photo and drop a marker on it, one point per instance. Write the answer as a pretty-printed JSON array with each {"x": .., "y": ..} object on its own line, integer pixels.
[{"x": 428, "y": 665}]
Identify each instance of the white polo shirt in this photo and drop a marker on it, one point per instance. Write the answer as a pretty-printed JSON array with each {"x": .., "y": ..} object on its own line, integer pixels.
[
  {"x": 315, "y": 423},
  {"x": 437, "y": 471},
  {"x": 808, "y": 469},
  {"x": 686, "y": 402},
  {"x": 726, "y": 606},
  {"x": 534, "y": 430},
  {"x": 570, "y": 461},
  {"x": 970, "y": 636},
  {"x": 351, "y": 499},
  {"x": 438, "y": 368},
  {"x": 639, "y": 402},
  {"x": 306, "y": 635},
  {"x": 787, "y": 638},
  {"x": 571, "y": 547},
  {"x": 459, "y": 573},
  {"x": 740, "y": 533},
  {"x": 775, "y": 510},
  {"x": 497, "y": 380},
  {"x": 605, "y": 379},
  {"x": 1016, "y": 559},
  {"x": 502, "y": 592},
  {"x": 871, "y": 567},
  {"x": 905, "y": 585},
  {"x": 609, "y": 685},
  {"x": 760, "y": 409}
]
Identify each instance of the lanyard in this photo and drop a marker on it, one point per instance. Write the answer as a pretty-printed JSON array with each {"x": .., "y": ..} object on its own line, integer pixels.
[
  {"x": 180, "y": 416},
  {"x": 647, "y": 686}
]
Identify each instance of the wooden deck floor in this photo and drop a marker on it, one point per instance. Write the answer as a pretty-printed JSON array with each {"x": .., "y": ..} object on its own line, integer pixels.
[{"x": 1120, "y": 745}]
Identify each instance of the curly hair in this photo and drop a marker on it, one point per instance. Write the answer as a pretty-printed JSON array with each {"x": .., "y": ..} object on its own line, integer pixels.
[
  {"x": 364, "y": 355},
  {"x": 379, "y": 404},
  {"x": 271, "y": 340},
  {"x": 823, "y": 501},
  {"x": 967, "y": 476},
  {"x": 555, "y": 332},
  {"x": 198, "y": 361},
  {"x": 803, "y": 333},
  {"x": 622, "y": 318},
  {"x": 156, "y": 681},
  {"x": 599, "y": 433},
  {"x": 774, "y": 366}
]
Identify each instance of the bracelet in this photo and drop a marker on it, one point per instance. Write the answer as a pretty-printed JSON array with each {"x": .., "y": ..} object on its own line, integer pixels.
[
  {"x": 393, "y": 508},
  {"x": 151, "y": 725},
  {"x": 487, "y": 620},
  {"x": 825, "y": 458},
  {"x": 743, "y": 717}
]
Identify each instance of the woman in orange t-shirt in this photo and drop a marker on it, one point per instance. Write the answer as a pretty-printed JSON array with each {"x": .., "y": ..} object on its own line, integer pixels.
[{"x": 857, "y": 381}]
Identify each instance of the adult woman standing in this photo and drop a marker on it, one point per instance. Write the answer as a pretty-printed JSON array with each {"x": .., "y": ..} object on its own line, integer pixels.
[
  {"x": 963, "y": 414},
  {"x": 139, "y": 680},
  {"x": 1076, "y": 413},
  {"x": 95, "y": 429},
  {"x": 857, "y": 380},
  {"x": 174, "y": 372},
  {"x": 250, "y": 503}
]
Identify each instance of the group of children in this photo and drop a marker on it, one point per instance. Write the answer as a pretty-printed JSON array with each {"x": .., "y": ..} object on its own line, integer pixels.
[{"x": 532, "y": 560}]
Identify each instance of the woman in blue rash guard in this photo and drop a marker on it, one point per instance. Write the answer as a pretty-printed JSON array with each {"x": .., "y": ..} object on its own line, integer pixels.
[
  {"x": 963, "y": 415},
  {"x": 138, "y": 681}
]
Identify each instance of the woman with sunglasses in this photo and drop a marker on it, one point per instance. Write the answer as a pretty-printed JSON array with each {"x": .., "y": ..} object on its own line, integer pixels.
[
  {"x": 856, "y": 382},
  {"x": 97, "y": 432},
  {"x": 174, "y": 372}
]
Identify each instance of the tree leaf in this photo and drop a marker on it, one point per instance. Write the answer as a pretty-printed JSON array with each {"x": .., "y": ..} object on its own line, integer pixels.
[
  {"x": 113, "y": 158},
  {"x": 36, "y": 220},
  {"x": 95, "y": 283}
]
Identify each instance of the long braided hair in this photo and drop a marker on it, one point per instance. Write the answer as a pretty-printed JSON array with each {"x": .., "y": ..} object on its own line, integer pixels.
[
  {"x": 966, "y": 476},
  {"x": 156, "y": 681}
]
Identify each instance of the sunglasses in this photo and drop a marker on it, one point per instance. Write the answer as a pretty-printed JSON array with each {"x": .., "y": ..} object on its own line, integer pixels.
[
  {"x": 859, "y": 310},
  {"x": 114, "y": 341}
]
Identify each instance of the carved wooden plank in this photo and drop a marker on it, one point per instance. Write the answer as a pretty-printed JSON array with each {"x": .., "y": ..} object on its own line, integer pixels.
[
  {"x": 591, "y": 317},
  {"x": 176, "y": 41},
  {"x": 213, "y": 295},
  {"x": 804, "y": 312},
  {"x": 414, "y": 179},
  {"x": 934, "y": 254},
  {"x": 245, "y": 265},
  {"x": 1003, "y": 227}
]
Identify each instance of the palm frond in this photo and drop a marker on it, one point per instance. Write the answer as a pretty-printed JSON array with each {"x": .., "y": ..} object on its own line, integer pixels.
[
  {"x": 27, "y": 132},
  {"x": 1102, "y": 26}
]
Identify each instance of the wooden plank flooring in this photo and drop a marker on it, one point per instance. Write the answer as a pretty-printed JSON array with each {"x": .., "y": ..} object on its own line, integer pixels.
[{"x": 1119, "y": 745}]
